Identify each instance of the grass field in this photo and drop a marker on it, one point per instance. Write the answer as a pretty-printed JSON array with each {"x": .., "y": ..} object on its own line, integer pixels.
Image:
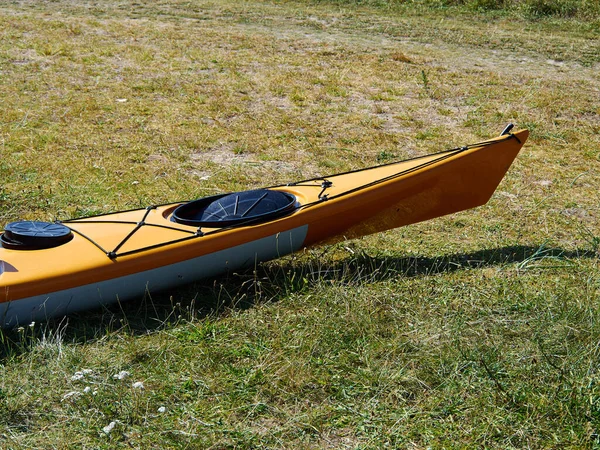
[{"x": 475, "y": 330}]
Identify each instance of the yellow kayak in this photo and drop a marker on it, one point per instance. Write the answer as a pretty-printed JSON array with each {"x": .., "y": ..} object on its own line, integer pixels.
[{"x": 52, "y": 269}]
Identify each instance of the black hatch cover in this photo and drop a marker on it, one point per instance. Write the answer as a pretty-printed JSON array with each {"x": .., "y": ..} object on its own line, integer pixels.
[{"x": 34, "y": 235}]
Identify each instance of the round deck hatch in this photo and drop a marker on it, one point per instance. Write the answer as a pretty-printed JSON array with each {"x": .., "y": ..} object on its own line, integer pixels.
[
  {"x": 239, "y": 208},
  {"x": 34, "y": 235}
]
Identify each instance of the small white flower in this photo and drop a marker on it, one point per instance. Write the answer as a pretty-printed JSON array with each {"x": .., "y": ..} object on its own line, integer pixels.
[
  {"x": 77, "y": 376},
  {"x": 87, "y": 390},
  {"x": 71, "y": 395},
  {"x": 162, "y": 409},
  {"x": 108, "y": 428},
  {"x": 138, "y": 385},
  {"x": 121, "y": 375},
  {"x": 80, "y": 375},
  {"x": 32, "y": 324}
]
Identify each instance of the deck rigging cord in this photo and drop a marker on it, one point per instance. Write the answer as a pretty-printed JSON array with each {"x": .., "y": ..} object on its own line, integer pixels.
[{"x": 322, "y": 196}]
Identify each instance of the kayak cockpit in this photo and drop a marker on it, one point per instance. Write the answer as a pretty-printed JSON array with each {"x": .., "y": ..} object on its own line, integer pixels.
[{"x": 238, "y": 208}]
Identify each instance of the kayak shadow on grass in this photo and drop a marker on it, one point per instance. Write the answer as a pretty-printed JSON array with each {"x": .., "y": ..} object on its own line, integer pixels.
[
  {"x": 273, "y": 281},
  {"x": 270, "y": 283},
  {"x": 381, "y": 268}
]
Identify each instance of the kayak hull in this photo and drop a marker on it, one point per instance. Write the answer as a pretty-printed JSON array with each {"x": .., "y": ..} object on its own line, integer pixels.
[{"x": 93, "y": 295}]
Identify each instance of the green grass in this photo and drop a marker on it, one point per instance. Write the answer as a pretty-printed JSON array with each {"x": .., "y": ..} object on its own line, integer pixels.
[
  {"x": 478, "y": 329},
  {"x": 529, "y": 9}
]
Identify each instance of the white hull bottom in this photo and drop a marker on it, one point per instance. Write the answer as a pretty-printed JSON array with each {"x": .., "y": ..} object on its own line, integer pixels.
[{"x": 60, "y": 303}]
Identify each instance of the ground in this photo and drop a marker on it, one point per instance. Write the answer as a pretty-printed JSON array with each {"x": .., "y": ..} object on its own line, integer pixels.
[{"x": 474, "y": 330}]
